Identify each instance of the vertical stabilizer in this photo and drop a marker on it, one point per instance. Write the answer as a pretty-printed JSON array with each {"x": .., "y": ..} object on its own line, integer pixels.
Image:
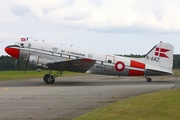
[{"x": 161, "y": 56}]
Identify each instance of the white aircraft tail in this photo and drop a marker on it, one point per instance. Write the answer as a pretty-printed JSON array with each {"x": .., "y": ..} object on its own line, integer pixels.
[{"x": 159, "y": 59}]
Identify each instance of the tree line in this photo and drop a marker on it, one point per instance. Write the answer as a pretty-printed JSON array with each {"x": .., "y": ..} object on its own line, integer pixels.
[{"x": 9, "y": 63}]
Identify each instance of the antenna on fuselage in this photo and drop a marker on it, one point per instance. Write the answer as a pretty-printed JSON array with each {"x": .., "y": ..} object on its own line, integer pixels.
[{"x": 27, "y": 38}]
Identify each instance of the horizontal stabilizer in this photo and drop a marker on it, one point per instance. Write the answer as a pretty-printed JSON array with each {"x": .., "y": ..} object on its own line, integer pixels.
[{"x": 150, "y": 72}]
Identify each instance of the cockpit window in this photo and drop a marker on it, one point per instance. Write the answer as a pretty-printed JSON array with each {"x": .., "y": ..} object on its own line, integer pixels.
[{"x": 19, "y": 44}]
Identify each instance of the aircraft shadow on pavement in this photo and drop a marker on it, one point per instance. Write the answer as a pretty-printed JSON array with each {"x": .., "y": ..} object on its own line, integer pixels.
[
  {"x": 83, "y": 83},
  {"x": 106, "y": 83}
]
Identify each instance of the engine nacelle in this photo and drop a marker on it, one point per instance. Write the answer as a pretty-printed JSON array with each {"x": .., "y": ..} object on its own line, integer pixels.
[
  {"x": 33, "y": 59},
  {"x": 38, "y": 60}
]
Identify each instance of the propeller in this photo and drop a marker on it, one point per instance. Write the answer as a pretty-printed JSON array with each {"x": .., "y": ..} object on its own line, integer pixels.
[
  {"x": 28, "y": 56},
  {"x": 27, "y": 62}
]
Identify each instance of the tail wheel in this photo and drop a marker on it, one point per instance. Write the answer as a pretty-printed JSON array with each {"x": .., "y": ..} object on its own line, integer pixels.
[
  {"x": 49, "y": 79},
  {"x": 149, "y": 79}
]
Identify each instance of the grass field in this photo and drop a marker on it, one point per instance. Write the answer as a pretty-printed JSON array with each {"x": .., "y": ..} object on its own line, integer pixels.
[
  {"x": 163, "y": 105},
  {"x": 4, "y": 75},
  {"x": 176, "y": 72}
]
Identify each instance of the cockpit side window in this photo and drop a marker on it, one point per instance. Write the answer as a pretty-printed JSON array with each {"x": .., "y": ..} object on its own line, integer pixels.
[{"x": 21, "y": 45}]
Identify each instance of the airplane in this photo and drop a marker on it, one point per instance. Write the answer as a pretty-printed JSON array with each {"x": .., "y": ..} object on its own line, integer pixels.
[{"x": 158, "y": 61}]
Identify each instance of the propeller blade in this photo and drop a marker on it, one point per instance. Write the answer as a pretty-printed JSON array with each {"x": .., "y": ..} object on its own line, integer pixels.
[
  {"x": 28, "y": 56},
  {"x": 27, "y": 62},
  {"x": 16, "y": 61}
]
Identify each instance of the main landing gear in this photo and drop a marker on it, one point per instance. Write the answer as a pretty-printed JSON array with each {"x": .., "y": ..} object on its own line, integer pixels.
[
  {"x": 49, "y": 78},
  {"x": 148, "y": 79}
]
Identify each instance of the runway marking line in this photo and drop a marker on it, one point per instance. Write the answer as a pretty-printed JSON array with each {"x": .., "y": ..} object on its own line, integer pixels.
[{"x": 6, "y": 89}]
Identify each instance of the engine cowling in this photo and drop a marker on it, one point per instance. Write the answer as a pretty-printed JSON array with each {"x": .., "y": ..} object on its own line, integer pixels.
[{"x": 33, "y": 60}]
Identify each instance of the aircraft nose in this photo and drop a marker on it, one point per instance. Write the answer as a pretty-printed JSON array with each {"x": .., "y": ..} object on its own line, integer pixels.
[{"x": 12, "y": 51}]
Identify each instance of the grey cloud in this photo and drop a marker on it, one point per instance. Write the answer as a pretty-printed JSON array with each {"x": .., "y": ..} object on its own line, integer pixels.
[
  {"x": 134, "y": 30},
  {"x": 19, "y": 10},
  {"x": 97, "y": 2},
  {"x": 69, "y": 2},
  {"x": 74, "y": 16}
]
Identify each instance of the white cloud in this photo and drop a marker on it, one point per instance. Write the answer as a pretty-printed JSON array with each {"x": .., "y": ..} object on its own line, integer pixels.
[
  {"x": 157, "y": 14},
  {"x": 103, "y": 23}
]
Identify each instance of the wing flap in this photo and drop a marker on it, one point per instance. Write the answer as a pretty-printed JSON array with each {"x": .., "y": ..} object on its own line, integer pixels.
[{"x": 79, "y": 65}]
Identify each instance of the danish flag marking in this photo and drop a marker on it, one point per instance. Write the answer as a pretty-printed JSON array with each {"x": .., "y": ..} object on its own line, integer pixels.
[
  {"x": 161, "y": 52},
  {"x": 23, "y": 39}
]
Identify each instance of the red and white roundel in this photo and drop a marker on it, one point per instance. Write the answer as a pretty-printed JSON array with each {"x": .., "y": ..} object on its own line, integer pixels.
[{"x": 119, "y": 66}]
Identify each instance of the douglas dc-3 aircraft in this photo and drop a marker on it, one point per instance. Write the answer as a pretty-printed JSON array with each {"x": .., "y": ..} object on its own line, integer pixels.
[{"x": 158, "y": 61}]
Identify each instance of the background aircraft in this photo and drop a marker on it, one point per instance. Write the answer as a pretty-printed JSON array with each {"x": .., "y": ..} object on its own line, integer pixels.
[{"x": 158, "y": 61}]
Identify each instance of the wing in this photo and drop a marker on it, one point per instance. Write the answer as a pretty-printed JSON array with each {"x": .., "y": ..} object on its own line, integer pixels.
[{"x": 79, "y": 65}]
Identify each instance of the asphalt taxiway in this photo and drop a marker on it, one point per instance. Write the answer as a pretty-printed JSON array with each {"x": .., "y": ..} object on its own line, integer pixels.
[{"x": 72, "y": 96}]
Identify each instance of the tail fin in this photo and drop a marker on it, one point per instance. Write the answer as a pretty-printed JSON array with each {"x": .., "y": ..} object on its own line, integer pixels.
[{"x": 160, "y": 57}]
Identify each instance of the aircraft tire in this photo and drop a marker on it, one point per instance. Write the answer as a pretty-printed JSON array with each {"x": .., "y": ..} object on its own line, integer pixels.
[
  {"x": 49, "y": 80},
  {"x": 149, "y": 79}
]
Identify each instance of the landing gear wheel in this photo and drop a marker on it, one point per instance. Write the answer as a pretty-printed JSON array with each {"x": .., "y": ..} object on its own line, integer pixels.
[
  {"x": 148, "y": 79},
  {"x": 49, "y": 79}
]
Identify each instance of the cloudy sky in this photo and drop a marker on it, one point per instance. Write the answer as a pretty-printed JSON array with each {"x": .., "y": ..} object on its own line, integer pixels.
[{"x": 106, "y": 26}]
